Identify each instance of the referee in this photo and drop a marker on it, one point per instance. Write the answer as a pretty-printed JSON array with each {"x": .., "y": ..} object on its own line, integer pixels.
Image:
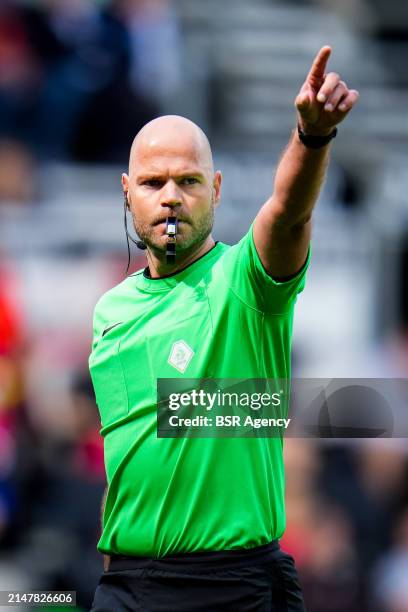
[{"x": 192, "y": 524}]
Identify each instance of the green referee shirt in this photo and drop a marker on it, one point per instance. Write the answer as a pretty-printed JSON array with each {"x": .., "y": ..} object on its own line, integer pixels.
[{"x": 174, "y": 495}]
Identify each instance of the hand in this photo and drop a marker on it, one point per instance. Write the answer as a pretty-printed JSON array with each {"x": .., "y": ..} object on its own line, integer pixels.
[
  {"x": 106, "y": 562},
  {"x": 324, "y": 99}
]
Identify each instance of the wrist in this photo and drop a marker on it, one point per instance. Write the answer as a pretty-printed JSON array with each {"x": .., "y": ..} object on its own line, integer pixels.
[
  {"x": 315, "y": 138},
  {"x": 313, "y": 130}
]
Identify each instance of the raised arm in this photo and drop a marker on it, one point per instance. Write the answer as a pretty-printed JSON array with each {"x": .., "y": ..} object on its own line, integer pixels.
[{"x": 282, "y": 226}]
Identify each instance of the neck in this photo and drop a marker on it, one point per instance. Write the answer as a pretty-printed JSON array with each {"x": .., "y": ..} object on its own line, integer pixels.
[{"x": 158, "y": 266}]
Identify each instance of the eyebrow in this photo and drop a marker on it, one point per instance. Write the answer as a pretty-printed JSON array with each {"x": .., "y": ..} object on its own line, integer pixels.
[{"x": 160, "y": 175}]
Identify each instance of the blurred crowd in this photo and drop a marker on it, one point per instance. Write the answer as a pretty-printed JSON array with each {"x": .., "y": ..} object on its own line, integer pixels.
[
  {"x": 78, "y": 78},
  {"x": 347, "y": 515},
  {"x": 51, "y": 465}
]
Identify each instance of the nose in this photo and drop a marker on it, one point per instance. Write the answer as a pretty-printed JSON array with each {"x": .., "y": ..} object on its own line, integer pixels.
[{"x": 170, "y": 195}]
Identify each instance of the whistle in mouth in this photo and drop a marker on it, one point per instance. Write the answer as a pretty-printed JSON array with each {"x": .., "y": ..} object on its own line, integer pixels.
[{"x": 171, "y": 231}]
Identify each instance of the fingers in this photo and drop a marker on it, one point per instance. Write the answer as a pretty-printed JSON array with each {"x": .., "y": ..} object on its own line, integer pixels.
[
  {"x": 330, "y": 83},
  {"x": 335, "y": 95},
  {"x": 349, "y": 101},
  {"x": 302, "y": 101},
  {"x": 323, "y": 94},
  {"x": 316, "y": 73},
  {"x": 339, "y": 92}
]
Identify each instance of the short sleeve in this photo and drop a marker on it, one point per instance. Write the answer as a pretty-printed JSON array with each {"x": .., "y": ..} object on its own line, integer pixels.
[{"x": 247, "y": 278}]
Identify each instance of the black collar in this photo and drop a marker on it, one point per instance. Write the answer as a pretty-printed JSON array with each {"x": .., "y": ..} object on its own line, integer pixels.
[{"x": 146, "y": 271}]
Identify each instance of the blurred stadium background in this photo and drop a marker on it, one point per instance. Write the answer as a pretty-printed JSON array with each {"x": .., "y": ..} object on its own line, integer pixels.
[{"x": 78, "y": 78}]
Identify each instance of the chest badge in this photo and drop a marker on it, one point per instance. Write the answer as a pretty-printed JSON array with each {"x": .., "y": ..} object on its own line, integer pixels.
[{"x": 180, "y": 355}]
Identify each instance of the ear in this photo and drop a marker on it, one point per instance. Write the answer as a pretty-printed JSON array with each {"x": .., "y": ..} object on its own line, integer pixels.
[
  {"x": 125, "y": 185},
  {"x": 217, "y": 187}
]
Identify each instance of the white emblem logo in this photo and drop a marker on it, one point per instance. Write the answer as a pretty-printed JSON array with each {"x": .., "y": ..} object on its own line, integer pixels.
[{"x": 180, "y": 355}]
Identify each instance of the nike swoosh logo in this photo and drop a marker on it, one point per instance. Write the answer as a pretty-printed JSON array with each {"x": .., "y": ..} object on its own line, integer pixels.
[{"x": 107, "y": 329}]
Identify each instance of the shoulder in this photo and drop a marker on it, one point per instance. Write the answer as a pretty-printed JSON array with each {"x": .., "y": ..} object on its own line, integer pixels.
[
  {"x": 117, "y": 295},
  {"x": 250, "y": 282},
  {"x": 113, "y": 306}
]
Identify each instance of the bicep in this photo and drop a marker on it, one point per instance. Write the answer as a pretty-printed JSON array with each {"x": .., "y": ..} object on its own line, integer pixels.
[{"x": 282, "y": 248}]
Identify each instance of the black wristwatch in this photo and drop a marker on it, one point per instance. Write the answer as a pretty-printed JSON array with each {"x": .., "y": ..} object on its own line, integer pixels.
[{"x": 315, "y": 142}]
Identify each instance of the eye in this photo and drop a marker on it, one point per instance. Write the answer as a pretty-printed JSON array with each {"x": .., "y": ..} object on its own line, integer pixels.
[
  {"x": 153, "y": 183},
  {"x": 189, "y": 180}
]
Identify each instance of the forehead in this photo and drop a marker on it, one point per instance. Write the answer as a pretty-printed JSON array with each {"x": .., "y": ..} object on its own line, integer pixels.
[{"x": 169, "y": 152}]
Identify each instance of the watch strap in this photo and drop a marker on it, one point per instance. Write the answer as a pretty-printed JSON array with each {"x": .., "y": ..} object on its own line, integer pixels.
[{"x": 315, "y": 142}]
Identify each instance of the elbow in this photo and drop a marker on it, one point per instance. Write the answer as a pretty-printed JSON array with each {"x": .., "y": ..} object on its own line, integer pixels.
[
  {"x": 289, "y": 219},
  {"x": 299, "y": 224}
]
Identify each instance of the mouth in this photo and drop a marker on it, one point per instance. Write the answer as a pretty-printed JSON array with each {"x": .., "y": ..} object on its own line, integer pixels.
[{"x": 164, "y": 222}]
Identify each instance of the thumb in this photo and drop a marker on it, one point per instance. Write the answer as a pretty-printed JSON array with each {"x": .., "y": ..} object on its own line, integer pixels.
[{"x": 302, "y": 102}]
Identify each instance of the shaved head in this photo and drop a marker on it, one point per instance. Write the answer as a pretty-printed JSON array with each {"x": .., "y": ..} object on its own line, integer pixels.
[
  {"x": 172, "y": 135},
  {"x": 171, "y": 172}
]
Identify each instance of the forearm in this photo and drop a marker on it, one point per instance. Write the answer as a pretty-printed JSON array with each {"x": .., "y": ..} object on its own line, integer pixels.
[{"x": 298, "y": 180}]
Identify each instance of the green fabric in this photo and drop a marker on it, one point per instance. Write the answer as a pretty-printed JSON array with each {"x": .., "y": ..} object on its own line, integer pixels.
[{"x": 168, "y": 495}]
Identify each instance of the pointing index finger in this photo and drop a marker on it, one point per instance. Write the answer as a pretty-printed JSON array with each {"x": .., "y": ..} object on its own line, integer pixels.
[{"x": 316, "y": 73}]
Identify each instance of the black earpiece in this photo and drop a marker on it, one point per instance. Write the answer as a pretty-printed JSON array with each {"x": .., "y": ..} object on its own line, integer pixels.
[{"x": 171, "y": 231}]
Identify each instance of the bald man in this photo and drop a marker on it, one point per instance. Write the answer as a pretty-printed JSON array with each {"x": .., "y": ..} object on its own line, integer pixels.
[
  {"x": 172, "y": 148},
  {"x": 193, "y": 523}
]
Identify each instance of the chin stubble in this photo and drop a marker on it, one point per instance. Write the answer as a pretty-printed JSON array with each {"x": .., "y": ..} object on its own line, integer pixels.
[{"x": 199, "y": 232}]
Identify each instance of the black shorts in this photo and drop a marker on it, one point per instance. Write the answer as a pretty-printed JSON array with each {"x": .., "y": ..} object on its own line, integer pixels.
[{"x": 261, "y": 579}]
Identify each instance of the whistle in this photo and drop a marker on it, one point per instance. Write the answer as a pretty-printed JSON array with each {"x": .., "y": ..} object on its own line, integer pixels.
[{"x": 171, "y": 231}]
